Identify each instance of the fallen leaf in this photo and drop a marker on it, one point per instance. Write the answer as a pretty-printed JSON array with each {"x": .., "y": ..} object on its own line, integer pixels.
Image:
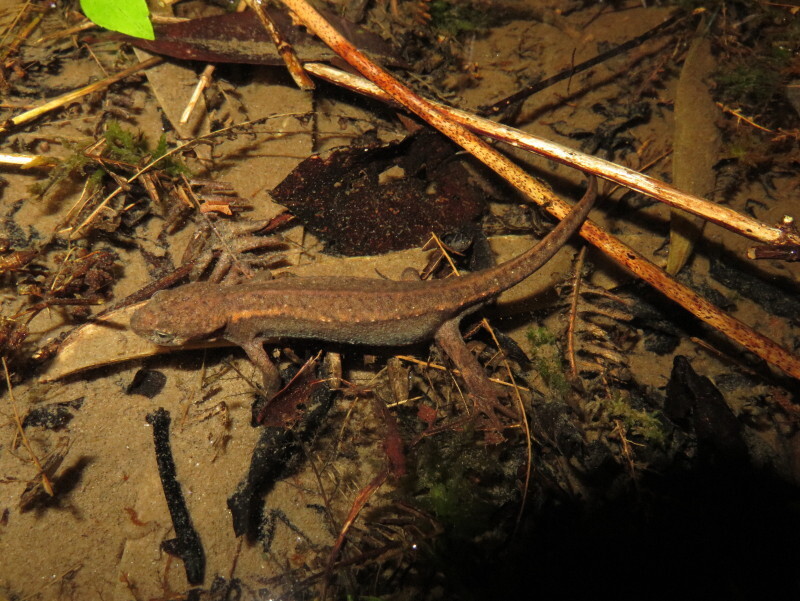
[
  {"x": 374, "y": 200},
  {"x": 240, "y": 38},
  {"x": 696, "y": 145},
  {"x": 111, "y": 341}
]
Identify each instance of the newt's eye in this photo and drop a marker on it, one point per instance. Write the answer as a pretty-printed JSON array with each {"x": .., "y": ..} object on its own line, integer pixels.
[{"x": 165, "y": 338}]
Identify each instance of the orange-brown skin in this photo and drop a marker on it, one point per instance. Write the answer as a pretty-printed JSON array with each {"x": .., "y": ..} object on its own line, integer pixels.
[{"x": 341, "y": 309}]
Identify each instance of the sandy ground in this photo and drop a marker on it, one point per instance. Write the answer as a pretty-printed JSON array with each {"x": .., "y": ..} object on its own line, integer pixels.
[{"x": 100, "y": 537}]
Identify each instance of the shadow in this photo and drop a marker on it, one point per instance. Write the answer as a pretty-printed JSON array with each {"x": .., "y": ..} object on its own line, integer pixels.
[{"x": 63, "y": 486}]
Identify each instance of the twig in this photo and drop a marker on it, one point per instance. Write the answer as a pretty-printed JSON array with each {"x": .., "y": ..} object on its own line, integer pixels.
[
  {"x": 23, "y": 35},
  {"x": 525, "y": 426},
  {"x": 23, "y": 12},
  {"x": 573, "y": 313},
  {"x": 429, "y": 364},
  {"x": 187, "y": 544},
  {"x": 358, "y": 504},
  {"x": 284, "y": 48},
  {"x": 26, "y": 443},
  {"x": 205, "y": 77},
  {"x": 537, "y": 192},
  {"x": 62, "y": 33},
  {"x": 517, "y": 397},
  {"x": 202, "y": 84},
  {"x": 223, "y": 241},
  {"x": 738, "y": 114},
  {"x": 26, "y": 161},
  {"x": 75, "y": 94},
  {"x": 533, "y": 88}
]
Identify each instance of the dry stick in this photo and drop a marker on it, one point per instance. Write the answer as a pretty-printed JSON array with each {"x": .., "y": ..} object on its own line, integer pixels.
[
  {"x": 21, "y": 432},
  {"x": 528, "y": 91},
  {"x": 526, "y": 484},
  {"x": 723, "y": 216},
  {"x": 284, "y": 48},
  {"x": 63, "y": 33},
  {"x": 740, "y": 117},
  {"x": 438, "y": 367},
  {"x": 23, "y": 12},
  {"x": 75, "y": 94},
  {"x": 26, "y": 161},
  {"x": 205, "y": 79},
  {"x": 358, "y": 504},
  {"x": 202, "y": 84},
  {"x": 22, "y": 36},
  {"x": 536, "y": 191},
  {"x": 573, "y": 313}
]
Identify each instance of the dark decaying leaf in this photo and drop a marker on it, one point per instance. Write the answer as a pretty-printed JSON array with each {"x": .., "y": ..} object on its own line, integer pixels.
[
  {"x": 297, "y": 412},
  {"x": 52, "y": 417},
  {"x": 287, "y": 407},
  {"x": 693, "y": 399},
  {"x": 240, "y": 38},
  {"x": 374, "y": 200},
  {"x": 186, "y": 545}
]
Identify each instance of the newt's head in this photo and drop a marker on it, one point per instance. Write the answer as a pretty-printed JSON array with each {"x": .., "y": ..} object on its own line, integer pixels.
[{"x": 174, "y": 317}]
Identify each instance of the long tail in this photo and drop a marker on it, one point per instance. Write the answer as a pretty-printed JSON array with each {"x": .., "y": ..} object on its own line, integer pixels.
[{"x": 513, "y": 271}]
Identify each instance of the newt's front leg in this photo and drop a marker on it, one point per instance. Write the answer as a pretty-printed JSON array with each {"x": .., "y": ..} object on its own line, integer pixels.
[
  {"x": 255, "y": 351},
  {"x": 449, "y": 339}
]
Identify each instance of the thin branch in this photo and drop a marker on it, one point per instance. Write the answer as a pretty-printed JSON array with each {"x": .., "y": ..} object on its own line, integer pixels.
[
  {"x": 534, "y": 88},
  {"x": 456, "y": 372},
  {"x": 64, "y": 99},
  {"x": 284, "y": 48},
  {"x": 573, "y": 313},
  {"x": 202, "y": 84},
  {"x": 14, "y": 46},
  {"x": 48, "y": 487},
  {"x": 526, "y": 484},
  {"x": 26, "y": 161}
]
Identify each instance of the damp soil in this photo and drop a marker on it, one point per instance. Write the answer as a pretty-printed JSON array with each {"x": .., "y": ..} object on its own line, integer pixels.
[{"x": 667, "y": 468}]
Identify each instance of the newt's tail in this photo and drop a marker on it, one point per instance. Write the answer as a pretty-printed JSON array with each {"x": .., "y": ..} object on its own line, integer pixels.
[{"x": 517, "y": 269}]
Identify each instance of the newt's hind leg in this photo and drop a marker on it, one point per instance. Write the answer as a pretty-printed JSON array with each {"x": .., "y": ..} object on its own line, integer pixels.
[{"x": 487, "y": 402}]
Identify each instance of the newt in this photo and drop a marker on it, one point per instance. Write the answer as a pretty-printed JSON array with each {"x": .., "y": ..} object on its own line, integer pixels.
[{"x": 351, "y": 310}]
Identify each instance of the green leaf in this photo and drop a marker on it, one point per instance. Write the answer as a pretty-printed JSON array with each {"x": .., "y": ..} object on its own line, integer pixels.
[{"x": 130, "y": 17}]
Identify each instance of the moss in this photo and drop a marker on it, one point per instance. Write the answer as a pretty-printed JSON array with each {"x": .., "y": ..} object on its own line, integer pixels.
[
  {"x": 758, "y": 61},
  {"x": 754, "y": 83},
  {"x": 462, "y": 483},
  {"x": 74, "y": 166},
  {"x": 540, "y": 336},
  {"x": 122, "y": 146},
  {"x": 547, "y": 359},
  {"x": 638, "y": 423},
  {"x": 132, "y": 148},
  {"x": 456, "y": 18}
]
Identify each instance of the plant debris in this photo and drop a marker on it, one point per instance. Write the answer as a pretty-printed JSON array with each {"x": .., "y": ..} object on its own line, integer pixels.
[
  {"x": 299, "y": 409},
  {"x": 239, "y": 37},
  {"x": 374, "y": 200},
  {"x": 186, "y": 545},
  {"x": 639, "y": 447}
]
